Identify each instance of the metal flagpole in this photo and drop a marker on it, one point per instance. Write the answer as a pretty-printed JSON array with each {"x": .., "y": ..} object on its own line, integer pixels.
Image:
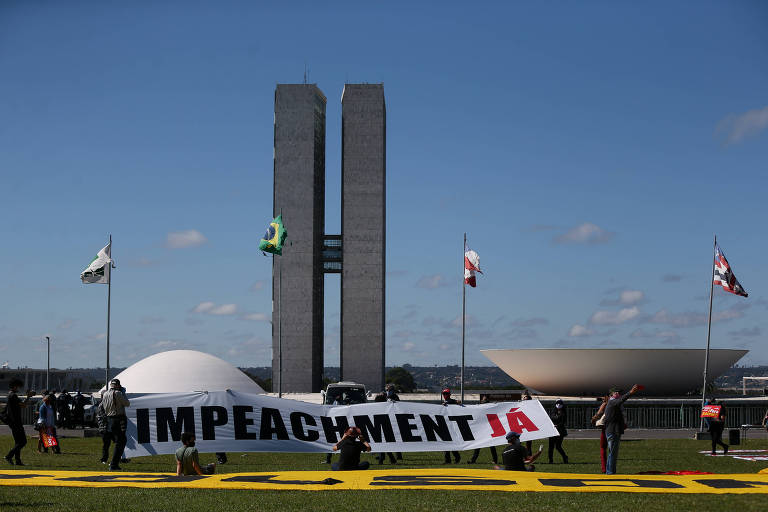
[
  {"x": 709, "y": 330},
  {"x": 109, "y": 304},
  {"x": 280, "y": 328},
  {"x": 463, "y": 312},
  {"x": 279, "y": 324}
]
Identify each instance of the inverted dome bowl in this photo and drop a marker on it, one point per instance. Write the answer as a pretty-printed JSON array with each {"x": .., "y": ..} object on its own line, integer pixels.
[{"x": 592, "y": 371}]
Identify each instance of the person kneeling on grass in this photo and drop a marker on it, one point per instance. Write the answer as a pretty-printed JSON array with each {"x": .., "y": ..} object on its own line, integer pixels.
[
  {"x": 515, "y": 456},
  {"x": 351, "y": 445},
  {"x": 187, "y": 462}
]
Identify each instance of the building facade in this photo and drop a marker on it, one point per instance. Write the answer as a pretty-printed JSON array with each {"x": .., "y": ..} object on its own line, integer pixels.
[
  {"x": 363, "y": 232},
  {"x": 358, "y": 253},
  {"x": 299, "y": 195}
]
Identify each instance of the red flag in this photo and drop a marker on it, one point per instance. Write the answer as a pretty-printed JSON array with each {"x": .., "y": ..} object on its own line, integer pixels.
[
  {"x": 471, "y": 265},
  {"x": 724, "y": 275}
]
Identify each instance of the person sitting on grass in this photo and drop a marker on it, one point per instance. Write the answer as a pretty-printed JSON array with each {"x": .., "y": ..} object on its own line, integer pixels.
[
  {"x": 515, "y": 456},
  {"x": 351, "y": 445},
  {"x": 187, "y": 462}
]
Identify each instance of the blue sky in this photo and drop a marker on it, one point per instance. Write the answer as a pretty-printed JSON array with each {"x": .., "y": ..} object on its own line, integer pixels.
[{"x": 590, "y": 150}]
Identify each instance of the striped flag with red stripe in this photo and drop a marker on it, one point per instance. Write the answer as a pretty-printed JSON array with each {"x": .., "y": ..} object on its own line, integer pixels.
[
  {"x": 724, "y": 275},
  {"x": 471, "y": 265}
]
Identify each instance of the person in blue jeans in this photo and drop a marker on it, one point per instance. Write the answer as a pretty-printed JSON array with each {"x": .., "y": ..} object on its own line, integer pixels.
[{"x": 614, "y": 425}]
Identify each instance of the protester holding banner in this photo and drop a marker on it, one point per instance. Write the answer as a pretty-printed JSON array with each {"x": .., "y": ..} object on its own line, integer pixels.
[
  {"x": 12, "y": 416},
  {"x": 447, "y": 400},
  {"x": 515, "y": 456},
  {"x": 352, "y": 444},
  {"x": 716, "y": 426},
  {"x": 388, "y": 395}
]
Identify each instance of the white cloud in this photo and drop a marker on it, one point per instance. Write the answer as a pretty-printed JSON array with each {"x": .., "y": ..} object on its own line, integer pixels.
[
  {"x": 586, "y": 233},
  {"x": 184, "y": 239},
  {"x": 257, "y": 317},
  {"x": 432, "y": 282},
  {"x": 211, "y": 308},
  {"x": 626, "y": 298},
  {"x": 579, "y": 331},
  {"x": 203, "y": 307},
  {"x": 614, "y": 317},
  {"x": 258, "y": 285},
  {"x": 738, "y": 127},
  {"x": 224, "y": 309},
  {"x": 631, "y": 297},
  {"x": 408, "y": 346}
]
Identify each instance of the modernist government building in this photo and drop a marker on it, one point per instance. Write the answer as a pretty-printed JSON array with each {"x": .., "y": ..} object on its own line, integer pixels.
[{"x": 357, "y": 253}]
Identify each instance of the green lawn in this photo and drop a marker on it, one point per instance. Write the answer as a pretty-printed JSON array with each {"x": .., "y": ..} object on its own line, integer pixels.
[{"x": 636, "y": 456}]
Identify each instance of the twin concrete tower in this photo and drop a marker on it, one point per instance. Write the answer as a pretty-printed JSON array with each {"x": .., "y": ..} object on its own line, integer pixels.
[{"x": 358, "y": 253}]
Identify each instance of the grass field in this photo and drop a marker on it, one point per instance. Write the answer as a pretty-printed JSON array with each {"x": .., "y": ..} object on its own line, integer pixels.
[{"x": 636, "y": 456}]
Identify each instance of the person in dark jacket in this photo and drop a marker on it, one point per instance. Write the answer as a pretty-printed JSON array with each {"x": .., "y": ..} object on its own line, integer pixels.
[
  {"x": 556, "y": 442},
  {"x": 13, "y": 412},
  {"x": 447, "y": 400},
  {"x": 614, "y": 425},
  {"x": 716, "y": 426}
]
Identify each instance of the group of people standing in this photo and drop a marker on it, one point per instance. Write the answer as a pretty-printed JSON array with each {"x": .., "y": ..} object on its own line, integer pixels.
[{"x": 111, "y": 419}]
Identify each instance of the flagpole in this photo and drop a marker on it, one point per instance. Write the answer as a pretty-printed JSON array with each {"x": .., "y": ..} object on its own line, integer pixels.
[
  {"x": 109, "y": 305},
  {"x": 709, "y": 330},
  {"x": 463, "y": 312},
  {"x": 279, "y": 324}
]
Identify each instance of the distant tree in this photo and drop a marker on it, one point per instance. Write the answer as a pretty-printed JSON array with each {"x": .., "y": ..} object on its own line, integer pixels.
[
  {"x": 266, "y": 385},
  {"x": 402, "y": 379}
]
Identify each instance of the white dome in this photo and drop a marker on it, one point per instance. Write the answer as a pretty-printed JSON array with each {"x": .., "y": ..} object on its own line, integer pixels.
[{"x": 178, "y": 371}]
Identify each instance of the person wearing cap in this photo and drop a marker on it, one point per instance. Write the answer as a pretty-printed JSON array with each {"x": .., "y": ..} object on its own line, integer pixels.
[
  {"x": 614, "y": 425},
  {"x": 351, "y": 445},
  {"x": 447, "y": 400},
  {"x": 515, "y": 456},
  {"x": 13, "y": 407},
  {"x": 113, "y": 404},
  {"x": 556, "y": 442}
]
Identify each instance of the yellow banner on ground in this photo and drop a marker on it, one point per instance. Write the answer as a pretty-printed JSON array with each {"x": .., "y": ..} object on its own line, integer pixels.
[{"x": 438, "y": 479}]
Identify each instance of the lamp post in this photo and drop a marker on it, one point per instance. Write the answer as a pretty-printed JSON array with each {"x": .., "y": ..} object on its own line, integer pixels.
[{"x": 48, "y": 368}]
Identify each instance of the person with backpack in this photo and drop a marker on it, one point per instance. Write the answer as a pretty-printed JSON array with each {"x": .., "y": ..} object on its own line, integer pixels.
[{"x": 12, "y": 417}]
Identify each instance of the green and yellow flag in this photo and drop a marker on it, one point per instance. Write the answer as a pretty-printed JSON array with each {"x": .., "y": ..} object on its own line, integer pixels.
[{"x": 274, "y": 237}]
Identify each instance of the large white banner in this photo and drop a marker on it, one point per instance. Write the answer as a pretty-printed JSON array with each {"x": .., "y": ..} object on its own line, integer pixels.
[{"x": 228, "y": 421}]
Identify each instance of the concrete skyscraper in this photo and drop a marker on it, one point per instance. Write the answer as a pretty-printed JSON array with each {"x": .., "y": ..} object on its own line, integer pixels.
[
  {"x": 358, "y": 253},
  {"x": 299, "y": 194},
  {"x": 363, "y": 232}
]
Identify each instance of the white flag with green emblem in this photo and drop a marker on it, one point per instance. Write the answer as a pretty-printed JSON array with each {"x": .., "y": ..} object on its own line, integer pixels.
[{"x": 99, "y": 269}]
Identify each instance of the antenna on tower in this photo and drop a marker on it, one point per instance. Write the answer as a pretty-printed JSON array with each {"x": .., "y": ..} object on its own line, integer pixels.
[{"x": 305, "y": 73}]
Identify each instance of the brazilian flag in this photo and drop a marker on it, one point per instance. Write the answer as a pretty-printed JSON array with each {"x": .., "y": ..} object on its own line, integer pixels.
[{"x": 274, "y": 238}]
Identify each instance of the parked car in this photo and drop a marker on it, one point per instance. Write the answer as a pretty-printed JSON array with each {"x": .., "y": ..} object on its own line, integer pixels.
[{"x": 345, "y": 393}]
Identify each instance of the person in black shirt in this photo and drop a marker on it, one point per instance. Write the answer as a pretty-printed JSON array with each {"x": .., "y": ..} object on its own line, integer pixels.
[
  {"x": 556, "y": 442},
  {"x": 351, "y": 445},
  {"x": 13, "y": 410},
  {"x": 515, "y": 456},
  {"x": 447, "y": 400},
  {"x": 716, "y": 426}
]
